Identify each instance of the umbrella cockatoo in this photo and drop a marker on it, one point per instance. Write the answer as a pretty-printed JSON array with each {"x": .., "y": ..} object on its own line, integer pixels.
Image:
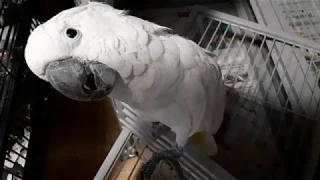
[{"x": 95, "y": 51}]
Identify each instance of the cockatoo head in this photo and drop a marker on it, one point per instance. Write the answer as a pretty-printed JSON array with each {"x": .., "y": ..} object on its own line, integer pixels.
[{"x": 77, "y": 51}]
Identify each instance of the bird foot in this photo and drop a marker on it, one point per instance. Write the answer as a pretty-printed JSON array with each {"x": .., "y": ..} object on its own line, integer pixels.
[
  {"x": 177, "y": 151},
  {"x": 158, "y": 129}
]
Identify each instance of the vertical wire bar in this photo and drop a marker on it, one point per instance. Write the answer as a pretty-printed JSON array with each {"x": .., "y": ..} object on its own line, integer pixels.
[
  {"x": 228, "y": 49},
  {"x": 251, "y": 70},
  {"x": 231, "y": 41},
  {"x": 1, "y": 33},
  {"x": 242, "y": 87},
  {"x": 197, "y": 20},
  {"x": 265, "y": 121},
  {"x": 247, "y": 55},
  {"x": 193, "y": 34},
  {"x": 4, "y": 48},
  {"x": 311, "y": 62},
  {"x": 14, "y": 42},
  {"x": 294, "y": 78},
  {"x": 304, "y": 26},
  {"x": 238, "y": 51},
  {"x": 285, "y": 70},
  {"x": 274, "y": 70},
  {"x": 318, "y": 107},
  {"x": 265, "y": 64},
  {"x": 268, "y": 89},
  {"x": 221, "y": 39},
  {"x": 309, "y": 169},
  {"x": 257, "y": 84},
  {"x": 4, "y": 78},
  {"x": 313, "y": 91},
  {"x": 136, "y": 163},
  {"x": 305, "y": 79},
  {"x": 253, "y": 66},
  {"x": 309, "y": 34},
  {"x": 213, "y": 35},
  {"x": 306, "y": 75},
  {"x": 33, "y": 24},
  {"x": 15, "y": 32},
  {"x": 38, "y": 22},
  {"x": 284, "y": 108},
  {"x": 287, "y": 142},
  {"x": 125, "y": 159},
  {"x": 245, "y": 84},
  {"x": 10, "y": 36},
  {"x": 205, "y": 32}
]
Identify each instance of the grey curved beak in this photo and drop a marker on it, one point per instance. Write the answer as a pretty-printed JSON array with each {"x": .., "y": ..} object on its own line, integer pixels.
[{"x": 81, "y": 81}]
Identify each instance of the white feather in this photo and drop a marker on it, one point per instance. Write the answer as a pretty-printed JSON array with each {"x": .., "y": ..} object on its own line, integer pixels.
[{"x": 166, "y": 77}]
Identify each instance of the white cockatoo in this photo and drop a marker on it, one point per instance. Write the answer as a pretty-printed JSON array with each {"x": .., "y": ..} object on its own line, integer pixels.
[{"x": 95, "y": 51}]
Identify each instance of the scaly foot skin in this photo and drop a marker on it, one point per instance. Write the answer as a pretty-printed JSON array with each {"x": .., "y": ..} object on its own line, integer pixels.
[
  {"x": 158, "y": 129},
  {"x": 177, "y": 151}
]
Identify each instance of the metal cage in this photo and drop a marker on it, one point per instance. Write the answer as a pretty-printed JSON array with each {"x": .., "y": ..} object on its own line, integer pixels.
[
  {"x": 22, "y": 104},
  {"x": 299, "y": 17},
  {"x": 273, "y": 132}
]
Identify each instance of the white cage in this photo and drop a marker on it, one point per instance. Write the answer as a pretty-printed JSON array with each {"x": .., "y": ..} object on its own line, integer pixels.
[
  {"x": 302, "y": 18},
  {"x": 273, "y": 128}
]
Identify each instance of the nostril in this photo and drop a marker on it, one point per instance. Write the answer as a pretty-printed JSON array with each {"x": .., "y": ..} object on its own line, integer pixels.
[{"x": 90, "y": 84}]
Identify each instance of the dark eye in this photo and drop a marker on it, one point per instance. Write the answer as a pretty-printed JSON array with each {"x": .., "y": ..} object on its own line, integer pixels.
[{"x": 71, "y": 33}]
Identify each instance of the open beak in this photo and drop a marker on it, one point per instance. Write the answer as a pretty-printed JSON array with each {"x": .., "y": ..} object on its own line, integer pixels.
[{"x": 81, "y": 81}]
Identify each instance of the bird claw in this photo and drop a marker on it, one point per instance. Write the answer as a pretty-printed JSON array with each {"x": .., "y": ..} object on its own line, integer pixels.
[
  {"x": 177, "y": 151},
  {"x": 158, "y": 129}
]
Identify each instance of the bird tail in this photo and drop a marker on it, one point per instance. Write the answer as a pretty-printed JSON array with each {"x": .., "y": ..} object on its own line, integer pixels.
[{"x": 205, "y": 142}]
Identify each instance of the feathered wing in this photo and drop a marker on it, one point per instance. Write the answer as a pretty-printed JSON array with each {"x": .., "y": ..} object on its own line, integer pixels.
[
  {"x": 185, "y": 92},
  {"x": 215, "y": 106},
  {"x": 206, "y": 96},
  {"x": 171, "y": 79}
]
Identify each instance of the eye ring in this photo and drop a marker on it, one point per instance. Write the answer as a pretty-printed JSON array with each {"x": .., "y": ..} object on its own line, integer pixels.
[{"x": 72, "y": 33}]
